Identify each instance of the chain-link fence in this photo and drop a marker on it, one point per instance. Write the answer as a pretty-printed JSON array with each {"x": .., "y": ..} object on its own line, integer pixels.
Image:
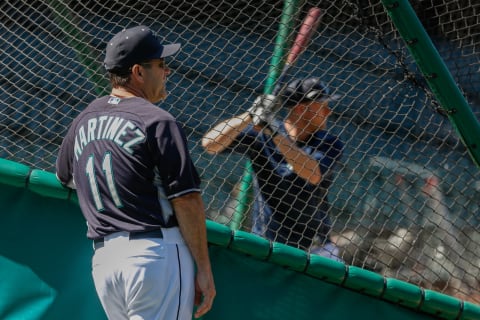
[{"x": 403, "y": 197}]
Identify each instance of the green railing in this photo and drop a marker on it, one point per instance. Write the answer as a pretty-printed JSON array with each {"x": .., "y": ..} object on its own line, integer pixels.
[{"x": 436, "y": 74}]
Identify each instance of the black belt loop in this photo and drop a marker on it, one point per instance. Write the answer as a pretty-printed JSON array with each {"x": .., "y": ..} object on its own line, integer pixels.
[
  {"x": 97, "y": 243},
  {"x": 157, "y": 233}
]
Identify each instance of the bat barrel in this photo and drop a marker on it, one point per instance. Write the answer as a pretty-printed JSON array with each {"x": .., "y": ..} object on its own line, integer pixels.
[{"x": 304, "y": 35}]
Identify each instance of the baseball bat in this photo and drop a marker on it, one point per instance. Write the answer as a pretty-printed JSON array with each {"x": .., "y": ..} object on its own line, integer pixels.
[{"x": 307, "y": 29}]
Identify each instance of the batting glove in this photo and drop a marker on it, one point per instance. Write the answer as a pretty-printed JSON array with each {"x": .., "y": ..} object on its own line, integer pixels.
[
  {"x": 272, "y": 128},
  {"x": 263, "y": 105},
  {"x": 263, "y": 116}
]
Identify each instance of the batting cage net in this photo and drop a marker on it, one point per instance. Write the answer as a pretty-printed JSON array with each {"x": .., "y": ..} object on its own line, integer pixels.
[{"x": 404, "y": 196}]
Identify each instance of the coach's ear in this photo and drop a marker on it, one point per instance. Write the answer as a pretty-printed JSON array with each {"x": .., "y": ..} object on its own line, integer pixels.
[{"x": 137, "y": 73}]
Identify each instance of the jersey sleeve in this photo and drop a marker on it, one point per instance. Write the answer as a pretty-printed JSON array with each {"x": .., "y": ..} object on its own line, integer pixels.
[
  {"x": 64, "y": 162},
  {"x": 177, "y": 171}
]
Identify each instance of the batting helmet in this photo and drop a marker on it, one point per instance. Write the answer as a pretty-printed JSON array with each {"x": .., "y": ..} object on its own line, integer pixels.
[{"x": 309, "y": 89}]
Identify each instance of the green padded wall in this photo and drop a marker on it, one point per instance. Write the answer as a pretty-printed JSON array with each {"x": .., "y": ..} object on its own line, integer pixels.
[{"x": 45, "y": 261}]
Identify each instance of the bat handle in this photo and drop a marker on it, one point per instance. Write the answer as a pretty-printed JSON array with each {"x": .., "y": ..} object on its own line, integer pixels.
[{"x": 280, "y": 83}]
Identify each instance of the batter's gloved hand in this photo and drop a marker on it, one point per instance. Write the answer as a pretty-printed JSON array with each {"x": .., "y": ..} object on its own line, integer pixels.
[
  {"x": 262, "y": 108},
  {"x": 272, "y": 128},
  {"x": 264, "y": 118}
]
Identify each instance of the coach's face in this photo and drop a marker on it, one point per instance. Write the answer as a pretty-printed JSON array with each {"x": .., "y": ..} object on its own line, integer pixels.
[{"x": 154, "y": 74}]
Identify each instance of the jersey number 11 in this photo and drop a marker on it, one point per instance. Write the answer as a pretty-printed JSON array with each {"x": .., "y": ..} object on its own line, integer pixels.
[{"x": 108, "y": 175}]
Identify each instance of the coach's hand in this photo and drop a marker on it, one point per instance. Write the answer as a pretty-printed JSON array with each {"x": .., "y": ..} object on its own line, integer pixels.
[{"x": 204, "y": 292}]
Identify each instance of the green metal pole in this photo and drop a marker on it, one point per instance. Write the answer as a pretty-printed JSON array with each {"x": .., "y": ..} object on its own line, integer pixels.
[
  {"x": 76, "y": 39},
  {"x": 282, "y": 43},
  {"x": 287, "y": 24},
  {"x": 436, "y": 74}
]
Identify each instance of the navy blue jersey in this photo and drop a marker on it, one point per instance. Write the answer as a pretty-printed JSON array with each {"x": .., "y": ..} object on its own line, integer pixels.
[
  {"x": 290, "y": 209},
  {"x": 127, "y": 158}
]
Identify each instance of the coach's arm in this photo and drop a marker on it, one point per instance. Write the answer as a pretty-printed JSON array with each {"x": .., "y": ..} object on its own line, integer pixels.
[{"x": 190, "y": 214}]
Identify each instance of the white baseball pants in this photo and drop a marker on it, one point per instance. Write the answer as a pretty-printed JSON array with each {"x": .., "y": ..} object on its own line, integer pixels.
[{"x": 145, "y": 279}]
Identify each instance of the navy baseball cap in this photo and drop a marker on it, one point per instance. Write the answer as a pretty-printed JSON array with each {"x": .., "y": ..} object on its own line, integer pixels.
[
  {"x": 135, "y": 45},
  {"x": 309, "y": 89}
]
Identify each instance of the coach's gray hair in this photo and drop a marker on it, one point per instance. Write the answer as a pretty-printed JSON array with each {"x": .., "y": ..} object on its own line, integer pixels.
[{"x": 119, "y": 80}]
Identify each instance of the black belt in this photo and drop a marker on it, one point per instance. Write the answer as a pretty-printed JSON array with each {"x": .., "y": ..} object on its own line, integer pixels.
[{"x": 157, "y": 233}]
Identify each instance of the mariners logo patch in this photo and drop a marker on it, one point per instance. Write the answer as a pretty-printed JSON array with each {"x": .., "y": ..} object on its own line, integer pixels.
[{"x": 114, "y": 100}]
